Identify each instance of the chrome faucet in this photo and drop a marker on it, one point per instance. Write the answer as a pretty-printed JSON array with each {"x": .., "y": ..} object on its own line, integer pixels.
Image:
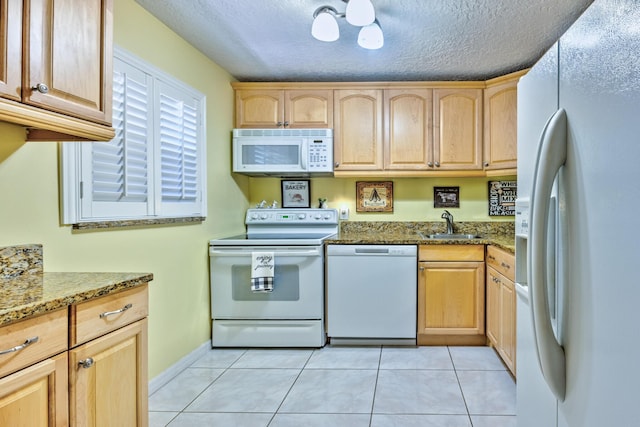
[{"x": 449, "y": 218}]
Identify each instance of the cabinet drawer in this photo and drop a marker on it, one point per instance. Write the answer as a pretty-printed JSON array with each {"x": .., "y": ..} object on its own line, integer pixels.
[
  {"x": 99, "y": 316},
  {"x": 451, "y": 253},
  {"x": 51, "y": 332},
  {"x": 502, "y": 261}
]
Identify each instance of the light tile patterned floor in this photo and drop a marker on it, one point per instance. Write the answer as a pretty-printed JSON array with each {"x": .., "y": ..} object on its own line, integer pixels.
[{"x": 340, "y": 386}]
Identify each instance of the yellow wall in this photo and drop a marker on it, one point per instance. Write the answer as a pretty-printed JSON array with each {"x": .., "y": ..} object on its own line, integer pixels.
[
  {"x": 176, "y": 255},
  {"x": 413, "y": 197}
]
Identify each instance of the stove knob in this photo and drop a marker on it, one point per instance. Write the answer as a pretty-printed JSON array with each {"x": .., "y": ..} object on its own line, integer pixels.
[
  {"x": 254, "y": 216},
  {"x": 318, "y": 216},
  {"x": 327, "y": 216},
  {"x": 301, "y": 216},
  {"x": 263, "y": 216}
]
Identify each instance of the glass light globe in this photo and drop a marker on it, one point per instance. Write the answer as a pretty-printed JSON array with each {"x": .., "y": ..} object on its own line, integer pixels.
[
  {"x": 325, "y": 27},
  {"x": 360, "y": 12},
  {"x": 371, "y": 37}
]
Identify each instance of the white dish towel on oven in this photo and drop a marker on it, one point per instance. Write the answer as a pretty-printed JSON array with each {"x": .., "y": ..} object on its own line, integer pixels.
[{"x": 262, "y": 267}]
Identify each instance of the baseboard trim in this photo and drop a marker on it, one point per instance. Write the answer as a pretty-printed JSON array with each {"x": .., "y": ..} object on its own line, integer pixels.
[{"x": 182, "y": 364}]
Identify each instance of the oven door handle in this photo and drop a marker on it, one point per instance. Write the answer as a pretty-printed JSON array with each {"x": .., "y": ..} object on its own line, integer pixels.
[{"x": 277, "y": 253}]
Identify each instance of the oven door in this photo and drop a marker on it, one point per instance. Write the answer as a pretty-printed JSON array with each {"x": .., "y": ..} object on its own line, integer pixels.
[{"x": 298, "y": 285}]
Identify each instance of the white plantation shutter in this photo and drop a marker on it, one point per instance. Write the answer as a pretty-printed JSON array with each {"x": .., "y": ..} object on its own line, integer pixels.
[
  {"x": 155, "y": 165},
  {"x": 180, "y": 155}
]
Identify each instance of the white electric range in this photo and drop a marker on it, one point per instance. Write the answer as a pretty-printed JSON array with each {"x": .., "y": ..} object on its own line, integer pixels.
[{"x": 292, "y": 315}]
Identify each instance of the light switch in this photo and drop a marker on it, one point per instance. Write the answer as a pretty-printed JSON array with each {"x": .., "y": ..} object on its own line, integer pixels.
[{"x": 344, "y": 213}]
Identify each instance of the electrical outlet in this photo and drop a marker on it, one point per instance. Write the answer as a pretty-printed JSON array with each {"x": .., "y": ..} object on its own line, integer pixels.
[{"x": 344, "y": 213}]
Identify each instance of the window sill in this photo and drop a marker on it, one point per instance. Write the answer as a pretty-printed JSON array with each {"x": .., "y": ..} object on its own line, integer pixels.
[{"x": 130, "y": 223}]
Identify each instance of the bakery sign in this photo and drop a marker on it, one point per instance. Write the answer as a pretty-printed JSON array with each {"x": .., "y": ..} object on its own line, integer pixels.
[{"x": 502, "y": 198}]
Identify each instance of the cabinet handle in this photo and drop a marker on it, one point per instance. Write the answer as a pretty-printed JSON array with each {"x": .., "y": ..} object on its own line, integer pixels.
[
  {"x": 437, "y": 164},
  {"x": 421, "y": 268},
  {"x": 496, "y": 280},
  {"x": 491, "y": 257},
  {"x": 505, "y": 265},
  {"x": 86, "y": 363},
  {"x": 122, "y": 310},
  {"x": 337, "y": 164},
  {"x": 41, "y": 87},
  {"x": 486, "y": 164},
  {"x": 286, "y": 123},
  {"x": 22, "y": 346},
  {"x": 430, "y": 164}
]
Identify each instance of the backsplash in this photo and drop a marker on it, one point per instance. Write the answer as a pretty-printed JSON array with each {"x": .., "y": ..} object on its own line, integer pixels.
[
  {"x": 481, "y": 228},
  {"x": 20, "y": 260}
]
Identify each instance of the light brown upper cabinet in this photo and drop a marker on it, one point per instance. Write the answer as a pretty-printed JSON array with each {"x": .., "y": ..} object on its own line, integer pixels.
[
  {"x": 500, "y": 125},
  {"x": 457, "y": 129},
  {"x": 408, "y": 139},
  {"x": 278, "y": 108},
  {"x": 61, "y": 84},
  {"x": 357, "y": 136}
]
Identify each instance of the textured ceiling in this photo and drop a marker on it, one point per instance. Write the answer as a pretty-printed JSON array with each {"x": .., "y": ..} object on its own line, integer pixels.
[{"x": 270, "y": 40}]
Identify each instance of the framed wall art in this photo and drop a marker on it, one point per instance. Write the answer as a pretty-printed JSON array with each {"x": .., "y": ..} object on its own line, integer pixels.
[
  {"x": 502, "y": 198},
  {"x": 296, "y": 194},
  {"x": 446, "y": 197},
  {"x": 374, "y": 196}
]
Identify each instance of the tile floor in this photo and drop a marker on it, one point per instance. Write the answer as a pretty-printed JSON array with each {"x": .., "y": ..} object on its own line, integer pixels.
[{"x": 340, "y": 386}]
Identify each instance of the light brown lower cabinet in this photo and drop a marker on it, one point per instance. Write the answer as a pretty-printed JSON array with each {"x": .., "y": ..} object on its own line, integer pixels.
[
  {"x": 36, "y": 396},
  {"x": 451, "y": 295},
  {"x": 108, "y": 379},
  {"x": 501, "y": 305},
  {"x": 81, "y": 366}
]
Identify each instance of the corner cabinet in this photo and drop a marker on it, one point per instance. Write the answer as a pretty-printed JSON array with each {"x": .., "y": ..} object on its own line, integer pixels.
[
  {"x": 85, "y": 365},
  {"x": 451, "y": 295},
  {"x": 279, "y": 108},
  {"x": 501, "y": 305},
  {"x": 500, "y": 125},
  {"x": 58, "y": 66}
]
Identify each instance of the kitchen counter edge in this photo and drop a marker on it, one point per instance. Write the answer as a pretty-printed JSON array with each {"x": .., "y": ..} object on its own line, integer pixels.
[
  {"x": 35, "y": 294},
  {"x": 506, "y": 243}
]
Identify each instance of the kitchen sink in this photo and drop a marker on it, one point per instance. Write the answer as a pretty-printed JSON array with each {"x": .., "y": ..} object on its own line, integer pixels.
[{"x": 448, "y": 236}]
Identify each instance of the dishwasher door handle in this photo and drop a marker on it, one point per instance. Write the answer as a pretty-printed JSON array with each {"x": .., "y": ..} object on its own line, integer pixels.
[{"x": 376, "y": 251}]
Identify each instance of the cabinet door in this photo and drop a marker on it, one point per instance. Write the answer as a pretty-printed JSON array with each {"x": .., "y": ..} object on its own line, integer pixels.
[
  {"x": 308, "y": 109},
  {"x": 70, "y": 51},
  {"x": 259, "y": 108},
  {"x": 108, "y": 379},
  {"x": 407, "y": 123},
  {"x": 36, "y": 396},
  {"x": 457, "y": 129},
  {"x": 494, "y": 312},
  {"x": 11, "y": 48},
  {"x": 358, "y": 130},
  {"x": 500, "y": 126},
  {"x": 508, "y": 324},
  {"x": 451, "y": 298}
]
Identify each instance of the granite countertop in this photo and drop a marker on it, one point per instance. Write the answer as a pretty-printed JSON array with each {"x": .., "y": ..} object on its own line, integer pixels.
[
  {"x": 31, "y": 295},
  {"x": 500, "y": 234},
  {"x": 26, "y": 291}
]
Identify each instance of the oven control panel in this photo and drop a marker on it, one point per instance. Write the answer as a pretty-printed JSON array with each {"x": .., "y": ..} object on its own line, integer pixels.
[{"x": 291, "y": 216}]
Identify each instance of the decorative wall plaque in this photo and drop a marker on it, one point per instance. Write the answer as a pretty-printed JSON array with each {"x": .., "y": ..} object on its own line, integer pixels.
[
  {"x": 374, "y": 196},
  {"x": 502, "y": 198},
  {"x": 446, "y": 197}
]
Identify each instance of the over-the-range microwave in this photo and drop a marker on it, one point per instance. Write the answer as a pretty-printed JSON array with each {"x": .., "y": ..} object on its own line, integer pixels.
[{"x": 283, "y": 152}]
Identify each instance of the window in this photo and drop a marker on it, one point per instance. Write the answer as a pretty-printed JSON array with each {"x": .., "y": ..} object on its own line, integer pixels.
[{"x": 154, "y": 167}]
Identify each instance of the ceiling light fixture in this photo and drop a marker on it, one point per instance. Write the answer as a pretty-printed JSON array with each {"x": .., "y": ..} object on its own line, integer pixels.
[{"x": 359, "y": 13}]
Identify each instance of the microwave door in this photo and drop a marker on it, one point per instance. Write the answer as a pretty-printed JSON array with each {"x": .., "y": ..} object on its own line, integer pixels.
[{"x": 269, "y": 156}]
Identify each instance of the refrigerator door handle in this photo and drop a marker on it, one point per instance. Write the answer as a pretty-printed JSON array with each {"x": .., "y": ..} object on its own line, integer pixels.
[{"x": 552, "y": 153}]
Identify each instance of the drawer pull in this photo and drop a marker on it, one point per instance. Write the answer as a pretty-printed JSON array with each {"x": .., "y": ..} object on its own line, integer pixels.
[
  {"x": 22, "y": 346},
  {"x": 505, "y": 265},
  {"x": 491, "y": 257},
  {"x": 41, "y": 87},
  {"x": 86, "y": 363},
  {"x": 122, "y": 310}
]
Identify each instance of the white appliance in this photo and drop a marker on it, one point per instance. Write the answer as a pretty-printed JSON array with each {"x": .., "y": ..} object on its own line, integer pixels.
[
  {"x": 576, "y": 243},
  {"x": 283, "y": 152},
  {"x": 292, "y": 315},
  {"x": 372, "y": 294}
]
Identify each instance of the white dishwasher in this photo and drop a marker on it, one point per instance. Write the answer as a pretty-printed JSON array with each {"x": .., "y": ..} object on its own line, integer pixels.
[{"x": 371, "y": 294}]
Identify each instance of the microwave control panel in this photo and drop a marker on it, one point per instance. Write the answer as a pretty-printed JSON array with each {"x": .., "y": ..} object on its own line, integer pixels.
[{"x": 320, "y": 154}]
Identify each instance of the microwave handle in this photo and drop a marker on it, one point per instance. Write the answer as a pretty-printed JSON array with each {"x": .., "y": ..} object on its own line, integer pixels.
[{"x": 303, "y": 154}]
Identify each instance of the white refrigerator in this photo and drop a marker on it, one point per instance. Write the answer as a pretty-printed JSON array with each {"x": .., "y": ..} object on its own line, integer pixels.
[{"x": 577, "y": 234}]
